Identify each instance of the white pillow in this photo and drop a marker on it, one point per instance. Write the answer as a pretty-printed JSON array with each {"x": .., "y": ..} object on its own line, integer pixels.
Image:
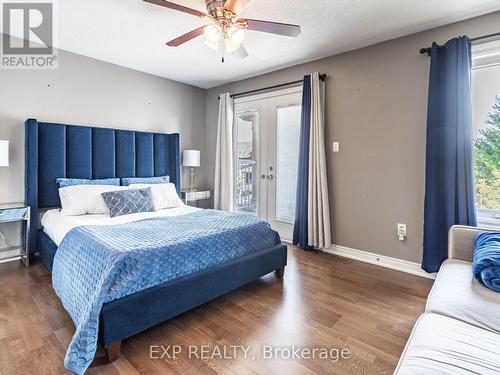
[
  {"x": 85, "y": 199},
  {"x": 164, "y": 195}
]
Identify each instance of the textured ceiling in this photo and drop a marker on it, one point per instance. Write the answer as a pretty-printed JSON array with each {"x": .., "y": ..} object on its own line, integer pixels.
[{"x": 132, "y": 33}]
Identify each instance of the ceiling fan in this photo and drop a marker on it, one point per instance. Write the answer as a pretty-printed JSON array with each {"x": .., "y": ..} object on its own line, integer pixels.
[{"x": 226, "y": 31}]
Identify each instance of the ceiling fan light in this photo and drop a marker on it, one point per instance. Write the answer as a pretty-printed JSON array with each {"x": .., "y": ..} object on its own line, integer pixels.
[
  {"x": 231, "y": 47},
  {"x": 236, "y": 35},
  {"x": 212, "y": 45},
  {"x": 212, "y": 33}
]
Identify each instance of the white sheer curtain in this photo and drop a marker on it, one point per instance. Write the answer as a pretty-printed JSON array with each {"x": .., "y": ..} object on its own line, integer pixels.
[
  {"x": 223, "y": 185},
  {"x": 319, "y": 230}
]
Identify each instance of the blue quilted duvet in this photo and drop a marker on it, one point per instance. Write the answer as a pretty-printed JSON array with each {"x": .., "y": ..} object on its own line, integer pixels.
[{"x": 98, "y": 264}]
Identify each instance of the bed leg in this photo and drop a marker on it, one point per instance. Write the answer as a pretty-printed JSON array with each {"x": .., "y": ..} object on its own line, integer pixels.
[
  {"x": 280, "y": 272},
  {"x": 113, "y": 351}
]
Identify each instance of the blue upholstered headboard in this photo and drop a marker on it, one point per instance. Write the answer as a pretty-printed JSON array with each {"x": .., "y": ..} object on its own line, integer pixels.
[{"x": 58, "y": 150}]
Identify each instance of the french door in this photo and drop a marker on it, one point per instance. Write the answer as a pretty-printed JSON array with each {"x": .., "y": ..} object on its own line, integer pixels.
[{"x": 266, "y": 144}]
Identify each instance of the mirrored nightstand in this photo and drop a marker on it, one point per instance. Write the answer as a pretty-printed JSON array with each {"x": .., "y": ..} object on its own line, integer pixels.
[
  {"x": 195, "y": 196},
  {"x": 10, "y": 213}
]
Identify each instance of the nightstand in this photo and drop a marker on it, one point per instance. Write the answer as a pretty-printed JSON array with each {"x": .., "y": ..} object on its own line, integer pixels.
[
  {"x": 10, "y": 213},
  {"x": 195, "y": 196}
]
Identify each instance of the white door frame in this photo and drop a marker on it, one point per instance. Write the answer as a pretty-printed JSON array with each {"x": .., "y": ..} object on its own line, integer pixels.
[
  {"x": 267, "y": 152},
  {"x": 270, "y": 94}
]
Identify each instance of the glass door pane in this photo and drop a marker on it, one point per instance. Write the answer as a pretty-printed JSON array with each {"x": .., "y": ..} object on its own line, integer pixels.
[
  {"x": 266, "y": 142},
  {"x": 287, "y": 161},
  {"x": 246, "y": 186}
]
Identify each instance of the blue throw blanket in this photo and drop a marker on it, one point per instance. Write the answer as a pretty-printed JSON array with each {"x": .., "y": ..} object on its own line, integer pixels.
[
  {"x": 486, "y": 262},
  {"x": 98, "y": 264}
]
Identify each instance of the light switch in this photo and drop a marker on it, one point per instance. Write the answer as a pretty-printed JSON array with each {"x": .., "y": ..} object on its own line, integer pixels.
[{"x": 336, "y": 147}]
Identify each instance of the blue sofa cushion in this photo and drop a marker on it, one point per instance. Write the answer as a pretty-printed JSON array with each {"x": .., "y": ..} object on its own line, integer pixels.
[
  {"x": 126, "y": 202},
  {"x": 486, "y": 262},
  {"x": 145, "y": 180},
  {"x": 63, "y": 182}
]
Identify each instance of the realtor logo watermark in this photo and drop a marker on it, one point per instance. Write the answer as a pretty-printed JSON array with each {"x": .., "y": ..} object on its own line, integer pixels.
[
  {"x": 28, "y": 30},
  {"x": 248, "y": 352}
]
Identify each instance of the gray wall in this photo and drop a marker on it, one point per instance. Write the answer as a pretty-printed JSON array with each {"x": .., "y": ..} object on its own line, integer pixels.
[
  {"x": 376, "y": 107},
  {"x": 89, "y": 92}
]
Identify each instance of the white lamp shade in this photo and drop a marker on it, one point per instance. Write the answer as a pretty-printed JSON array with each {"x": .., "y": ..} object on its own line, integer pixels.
[
  {"x": 191, "y": 158},
  {"x": 4, "y": 153}
]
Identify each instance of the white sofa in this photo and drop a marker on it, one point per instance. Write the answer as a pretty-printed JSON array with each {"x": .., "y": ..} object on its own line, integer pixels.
[{"x": 459, "y": 333}]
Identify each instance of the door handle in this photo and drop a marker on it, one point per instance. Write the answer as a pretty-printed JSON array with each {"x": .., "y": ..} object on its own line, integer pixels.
[
  {"x": 263, "y": 176},
  {"x": 270, "y": 177}
]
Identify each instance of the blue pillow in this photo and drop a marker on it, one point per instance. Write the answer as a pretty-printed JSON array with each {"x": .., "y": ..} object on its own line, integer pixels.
[
  {"x": 486, "y": 261},
  {"x": 126, "y": 202},
  {"x": 145, "y": 180},
  {"x": 63, "y": 182}
]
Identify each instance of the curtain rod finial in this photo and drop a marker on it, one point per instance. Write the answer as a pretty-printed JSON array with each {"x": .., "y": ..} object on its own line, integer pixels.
[{"x": 425, "y": 51}]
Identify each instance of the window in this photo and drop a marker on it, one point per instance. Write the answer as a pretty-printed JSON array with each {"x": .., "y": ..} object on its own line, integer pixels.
[
  {"x": 486, "y": 137},
  {"x": 287, "y": 161},
  {"x": 246, "y": 168}
]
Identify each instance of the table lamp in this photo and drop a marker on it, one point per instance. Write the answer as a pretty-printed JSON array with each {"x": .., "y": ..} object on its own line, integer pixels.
[
  {"x": 4, "y": 153},
  {"x": 191, "y": 159},
  {"x": 4, "y": 162}
]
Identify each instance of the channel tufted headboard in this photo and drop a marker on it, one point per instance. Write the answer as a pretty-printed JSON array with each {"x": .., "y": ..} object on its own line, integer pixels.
[{"x": 59, "y": 150}]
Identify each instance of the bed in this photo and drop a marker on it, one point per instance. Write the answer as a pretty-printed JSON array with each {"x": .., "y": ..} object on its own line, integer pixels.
[{"x": 58, "y": 150}]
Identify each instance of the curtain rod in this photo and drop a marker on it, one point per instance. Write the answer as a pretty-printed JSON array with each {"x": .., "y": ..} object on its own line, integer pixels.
[
  {"x": 427, "y": 50},
  {"x": 322, "y": 77}
]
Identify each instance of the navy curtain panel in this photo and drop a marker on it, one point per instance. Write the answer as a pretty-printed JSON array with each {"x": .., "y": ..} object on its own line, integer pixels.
[
  {"x": 449, "y": 180},
  {"x": 300, "y": 229}
]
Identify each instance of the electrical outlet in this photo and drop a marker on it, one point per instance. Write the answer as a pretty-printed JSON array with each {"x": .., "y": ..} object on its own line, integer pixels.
[{"x": 401, "y": 231}]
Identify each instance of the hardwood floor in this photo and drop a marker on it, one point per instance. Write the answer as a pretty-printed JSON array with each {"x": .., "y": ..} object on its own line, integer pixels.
[{"x": 323, "y": 301}]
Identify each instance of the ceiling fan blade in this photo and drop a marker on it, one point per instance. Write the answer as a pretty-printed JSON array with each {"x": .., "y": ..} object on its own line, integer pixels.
[
  {"x": 180, "y": 8},
  {"x": 273, "y": 27},
  {"x": 186, "y": 37},
  {"x": 236, "y": 6},
  {"x": 241, "y": 52}
]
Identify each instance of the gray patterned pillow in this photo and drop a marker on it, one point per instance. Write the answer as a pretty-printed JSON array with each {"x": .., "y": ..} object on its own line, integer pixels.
[{"x": 125, "y": 202}]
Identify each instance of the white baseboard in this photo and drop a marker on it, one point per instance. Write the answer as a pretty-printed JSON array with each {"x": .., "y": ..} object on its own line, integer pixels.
[{"x": 379, "y": 260}]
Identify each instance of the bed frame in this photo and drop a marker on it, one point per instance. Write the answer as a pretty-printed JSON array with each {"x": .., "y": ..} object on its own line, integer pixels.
[{"x": 59, "y": 150}]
